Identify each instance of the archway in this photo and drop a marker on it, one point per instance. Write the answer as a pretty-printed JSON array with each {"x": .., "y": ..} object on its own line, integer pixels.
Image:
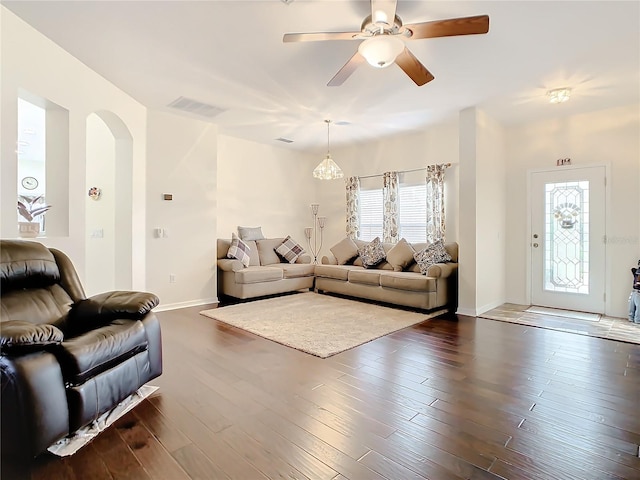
[{"x": 108, "y": 221}]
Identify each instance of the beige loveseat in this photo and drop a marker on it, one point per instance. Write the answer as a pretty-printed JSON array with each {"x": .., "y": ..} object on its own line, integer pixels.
[
  {"x": 438, "y": 288},
  {"x": 267, "y": 273}
]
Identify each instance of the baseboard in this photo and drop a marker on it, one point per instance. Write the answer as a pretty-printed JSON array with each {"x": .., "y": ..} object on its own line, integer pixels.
[
  {"x": 468, "y": 312},
  {"x": 489, "y": 306},
  {"x": 190, "y": 303}
]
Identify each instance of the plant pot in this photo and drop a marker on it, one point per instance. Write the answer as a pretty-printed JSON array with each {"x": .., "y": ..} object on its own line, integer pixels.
[{"x": 28, "y": 229}]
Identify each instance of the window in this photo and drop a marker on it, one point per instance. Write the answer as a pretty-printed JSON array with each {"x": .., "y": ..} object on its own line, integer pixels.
[
  {"x": 370, "y": 214},
  {"x": 412, "y": 212}
]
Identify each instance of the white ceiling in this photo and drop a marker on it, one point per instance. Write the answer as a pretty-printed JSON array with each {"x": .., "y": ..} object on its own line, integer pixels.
[{"x": 230, "y": 54}]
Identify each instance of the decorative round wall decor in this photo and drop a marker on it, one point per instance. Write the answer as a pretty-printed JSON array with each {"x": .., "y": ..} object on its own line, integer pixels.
[{"x": 95, "y": 193}]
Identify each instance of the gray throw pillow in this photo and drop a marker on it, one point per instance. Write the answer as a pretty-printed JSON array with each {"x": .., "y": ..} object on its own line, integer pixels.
[
  {"x": 401, "y": 255},
  {"x": 250, "y": 233},
  {"x": 372, "y": 254},
  {"x": 434, "y": 253},
  {"x": 344, "y": 250}
]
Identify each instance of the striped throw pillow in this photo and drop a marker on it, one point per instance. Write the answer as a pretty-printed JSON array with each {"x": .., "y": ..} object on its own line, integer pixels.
[
  {"x": 289, "y": 249},
  {"x": 239, "y": 250}
]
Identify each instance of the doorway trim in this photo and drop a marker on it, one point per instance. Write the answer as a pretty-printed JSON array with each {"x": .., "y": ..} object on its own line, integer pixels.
[{"x": 607, "y": 226}]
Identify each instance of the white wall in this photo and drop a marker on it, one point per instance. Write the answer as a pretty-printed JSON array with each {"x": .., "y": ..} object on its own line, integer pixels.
[
  {"x": 182, "y": 162},
  {"x": 101, "y": 164},
  {"x": 438, "y": 144},
  {"x": 264, "y": 186},
  {"x": 32, "y": 62},
  {"x": 491, "y": 228},
  {"x": 606, "y": 137}
]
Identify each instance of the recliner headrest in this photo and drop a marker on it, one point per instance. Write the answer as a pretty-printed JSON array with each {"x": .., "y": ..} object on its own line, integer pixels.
[{"x": 25, "y": 264}]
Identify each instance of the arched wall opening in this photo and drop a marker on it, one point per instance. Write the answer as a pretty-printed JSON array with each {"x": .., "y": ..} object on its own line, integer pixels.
[{"x": 109, "y": 171}]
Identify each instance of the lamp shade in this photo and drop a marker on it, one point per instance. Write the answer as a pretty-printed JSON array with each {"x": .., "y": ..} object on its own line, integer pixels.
[
  {"x": 327, "y": 169},
  {"x": 381, "y": 51}
]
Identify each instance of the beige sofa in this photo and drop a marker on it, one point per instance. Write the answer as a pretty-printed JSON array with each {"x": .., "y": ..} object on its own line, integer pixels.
[
  {"x": 438, "y": 288},
  {"x": 267, "y": 273}
]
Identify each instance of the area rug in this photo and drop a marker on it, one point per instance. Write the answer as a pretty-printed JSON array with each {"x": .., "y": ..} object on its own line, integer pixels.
[{"x": 321, "y": 325}]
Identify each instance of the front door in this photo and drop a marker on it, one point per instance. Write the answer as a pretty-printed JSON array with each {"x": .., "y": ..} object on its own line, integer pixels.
[{"x": 568, "y": 238}]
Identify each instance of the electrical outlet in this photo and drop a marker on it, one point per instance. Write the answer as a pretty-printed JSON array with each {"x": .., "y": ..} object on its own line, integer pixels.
[{"x": 172, "y": 278}]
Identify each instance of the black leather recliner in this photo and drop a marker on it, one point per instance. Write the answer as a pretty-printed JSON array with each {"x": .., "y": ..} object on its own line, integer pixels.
[{"x": 65, "y": 359}]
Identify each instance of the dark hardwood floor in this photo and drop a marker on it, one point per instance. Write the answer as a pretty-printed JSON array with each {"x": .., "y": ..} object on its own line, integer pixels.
[{"x": 448, "y": 399}]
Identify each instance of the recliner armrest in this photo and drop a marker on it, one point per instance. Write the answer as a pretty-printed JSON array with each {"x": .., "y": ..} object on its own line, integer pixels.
[
  {"x": 230, "y": 265},
  {"x": 117, "y": 304},
  {"x": 442, "y": 270},
  {"x": 19, "y": 337}
]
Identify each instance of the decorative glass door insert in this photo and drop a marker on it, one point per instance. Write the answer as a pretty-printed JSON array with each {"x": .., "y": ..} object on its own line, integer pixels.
[{"x": 566, "y": 260}]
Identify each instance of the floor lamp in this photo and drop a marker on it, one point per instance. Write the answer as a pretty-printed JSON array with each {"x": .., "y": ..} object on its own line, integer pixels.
[{"x": 315, "y": 243}]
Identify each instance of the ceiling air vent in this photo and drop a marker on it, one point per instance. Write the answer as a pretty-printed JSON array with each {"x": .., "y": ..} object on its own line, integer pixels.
[
  {"x": 193, "y": 106},
  {"x": 284, "y": 140}
]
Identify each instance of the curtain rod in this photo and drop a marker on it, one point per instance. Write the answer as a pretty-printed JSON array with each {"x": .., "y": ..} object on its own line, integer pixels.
[{"x": 447, "y": 165}]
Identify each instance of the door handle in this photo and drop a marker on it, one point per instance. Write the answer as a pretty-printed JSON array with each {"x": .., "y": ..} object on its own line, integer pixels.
[{"x": 535, "y": 245}]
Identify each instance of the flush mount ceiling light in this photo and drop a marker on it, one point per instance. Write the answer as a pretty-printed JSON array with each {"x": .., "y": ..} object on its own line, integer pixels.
[
  {"x": 559, "y": 95},
  {"x": 381, "y": 51},
  {"x": 327, "y": 169}
]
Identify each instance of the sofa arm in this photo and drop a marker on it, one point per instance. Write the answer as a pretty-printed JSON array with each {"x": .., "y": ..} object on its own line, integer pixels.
[
  {"x": 230, "y": 265},
  {"x": 329, "y": 260},
  {"x": 442, "y": 270},
  {"x": 304, "y": 258},
  {"x": 18, "y": 337},
  {"x": 117, "y": 304}
]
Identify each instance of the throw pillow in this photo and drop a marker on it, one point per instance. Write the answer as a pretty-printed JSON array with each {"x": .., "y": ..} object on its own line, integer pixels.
[
  {"x": 401, "y": 255},
  {"x": 267, "y": 250},
  {"x": 372, "y": 253},
  {"x": 250, "y": 233},
  {"x": 434, "y": 253},
  {"x": 289, "y": 249},
  {"x": 344, "y": 250},
  {"x": 239, "y": 250}
]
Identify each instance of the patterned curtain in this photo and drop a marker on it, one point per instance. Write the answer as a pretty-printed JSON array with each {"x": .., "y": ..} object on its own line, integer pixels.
[
  {"x": 353, "y": 207},
  {"x": 390, "y": 204},
  {"x": 435, "y": 202}
]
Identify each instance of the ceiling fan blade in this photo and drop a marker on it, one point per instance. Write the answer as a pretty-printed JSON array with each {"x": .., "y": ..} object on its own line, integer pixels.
[
  {"x": 450, "y": 27},
  {"x": 383, "y": 11},
  {"x": 347, "y": 69},
  {"x": 412, "y": 67},
  {"x": 320, "y": 36}
]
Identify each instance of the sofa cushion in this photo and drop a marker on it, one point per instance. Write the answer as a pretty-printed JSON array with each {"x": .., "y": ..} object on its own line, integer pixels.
[
  {"x": 97, "y": 350},
  {"x": 372, "y": 253},
  {"x": 338, "y": 272},
  {"x": 401, "y": 255},
  {"x": 239, "y": 250},
  {"x": 250, "y": 233},
  {"x": 289, "y": 249},
  {"x": 344, "y": 251},
  {"x": 434, "y": 253},
  {"x": 259, "y": 274},
  {"x": 296, "y": 270},
  {"x": 408, "y": 281},
  {"x": 267, "y": 250},
  {"x": 368, "y": 277}
]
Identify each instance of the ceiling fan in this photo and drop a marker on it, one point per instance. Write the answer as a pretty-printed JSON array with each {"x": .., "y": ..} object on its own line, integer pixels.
[{"x": 382, "y": 33}]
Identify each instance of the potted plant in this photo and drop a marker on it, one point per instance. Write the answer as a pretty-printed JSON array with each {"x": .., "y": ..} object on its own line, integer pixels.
[{"x": 29, "y": 208}]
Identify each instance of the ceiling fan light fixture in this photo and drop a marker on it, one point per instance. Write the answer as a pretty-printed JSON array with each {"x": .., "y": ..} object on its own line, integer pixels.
[
  {"x": 559, "y": 95},
  {"x": 327, "y": 169},
  {"x": 381, "y": 51}
]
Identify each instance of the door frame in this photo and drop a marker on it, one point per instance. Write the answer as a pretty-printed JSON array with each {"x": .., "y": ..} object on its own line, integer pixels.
[{"x": 607, "y": 226}]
